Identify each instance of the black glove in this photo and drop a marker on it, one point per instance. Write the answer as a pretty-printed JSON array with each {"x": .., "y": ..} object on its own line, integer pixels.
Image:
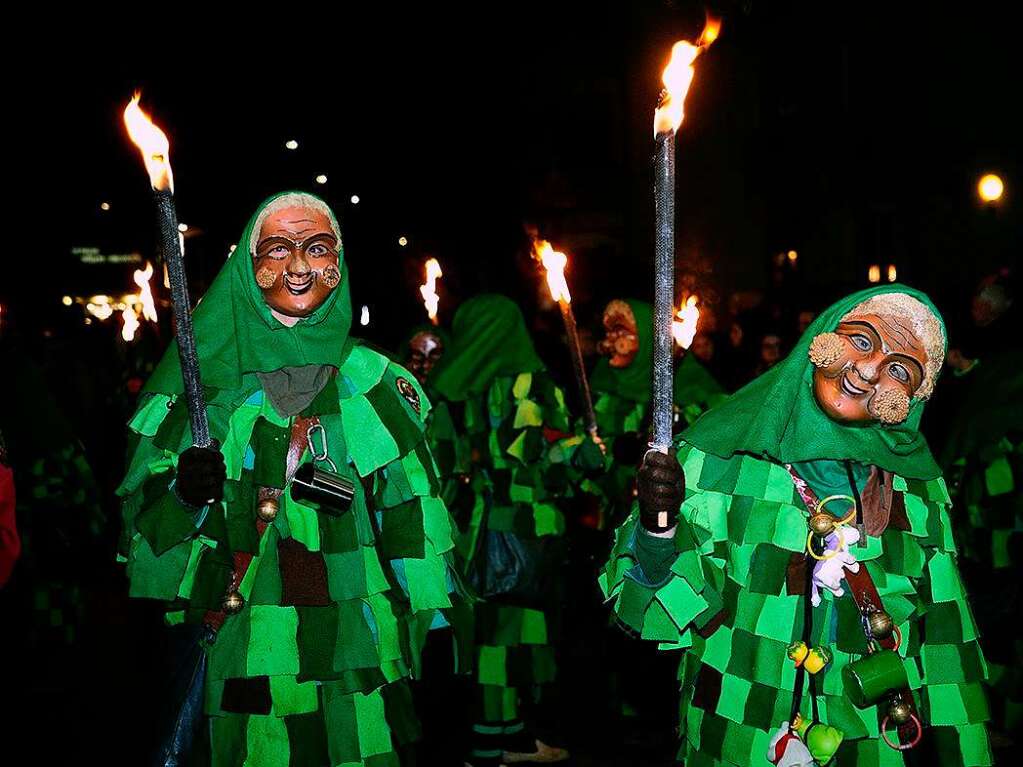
[
  {"x": 201, "y": 475},
  {"x": 661, "y": 487}
]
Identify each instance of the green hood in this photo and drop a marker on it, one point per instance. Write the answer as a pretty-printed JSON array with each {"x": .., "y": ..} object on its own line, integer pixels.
[
  {"x": 489, "y": 340},
  {"x": 236, "y": 334},
  {"x": 776, "y": 415},
  {"x": 632, "y": 382}
]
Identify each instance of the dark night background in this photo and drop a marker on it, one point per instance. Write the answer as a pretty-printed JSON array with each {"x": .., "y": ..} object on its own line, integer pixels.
[{"x": 854, "y": 137}]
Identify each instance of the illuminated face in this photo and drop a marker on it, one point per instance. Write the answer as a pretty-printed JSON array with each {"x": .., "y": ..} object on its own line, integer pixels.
[
  {"x": 620, "y": 342},
  {"x": 296, "y": 262},
  {"x": 878, "y": 359},
  {"x": 426, "y": 350}
]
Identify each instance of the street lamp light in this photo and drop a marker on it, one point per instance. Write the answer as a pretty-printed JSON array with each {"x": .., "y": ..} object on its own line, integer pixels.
[{"x": 990, "y": 187}]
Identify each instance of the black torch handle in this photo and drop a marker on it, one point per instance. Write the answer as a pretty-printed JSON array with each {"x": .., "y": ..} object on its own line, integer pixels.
[
  {"x": 170, "y": 250},
  {"x": 664, "y": 287},
  {"x": 572, "y": 331}
]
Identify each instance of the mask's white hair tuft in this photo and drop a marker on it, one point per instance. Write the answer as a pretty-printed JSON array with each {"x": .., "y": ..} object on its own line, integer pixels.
[{"x": 293, "y": 200}]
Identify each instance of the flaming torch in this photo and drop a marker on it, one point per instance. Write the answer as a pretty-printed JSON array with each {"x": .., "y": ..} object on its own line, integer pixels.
[
  {"x": 141, "y": 278},
  {"x": 554, "y": 263},
  {"x": 429, "y": 289},
  {"x": 684, "y": 328},
  {"x": 677, "y": 77},
  {"x": 155, "y": 148}
]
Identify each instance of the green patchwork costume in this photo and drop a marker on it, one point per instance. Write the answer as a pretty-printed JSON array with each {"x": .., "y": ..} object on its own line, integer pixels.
[
  {"x": 719, "y": 590},
  {"x": 984, "y": 455},
  {"x": 513, "y": 425},
  {"x": 313, "y": 669}
]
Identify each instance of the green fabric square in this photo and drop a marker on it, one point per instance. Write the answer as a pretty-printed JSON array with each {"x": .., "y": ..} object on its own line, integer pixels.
[
  {"x": 273, "y": 644},
  {"x": 355, "y": 646},
  {"x": 307, "y": 734},
  {"x": 163, "y": 520},
  {"x": 266, "y": 583},
  {"x": 240, "y": 515},
  {"x": 345, "y": 577},
  {"x": 316, "y": 637},
  {"x": 768, "y": 568},
  {"x": 270, "y": 444},
  {"x": 339, "y": 715},
  {"x": 402, "y": 531},
  {"x": 227, "y": 655},
  {"x": 359, "y": 417},
  {"x": 291, "y": 697},
  {"x": 396, "y": 414},
  {"x": 374, "y": 734},
  {"x": 153, "y": 577},
  {"x": 427, "y": 583},
  {"x": 326, "y": 402},
  {"x": 338, "y": 534},
  {"x": 752, "y": 479}
]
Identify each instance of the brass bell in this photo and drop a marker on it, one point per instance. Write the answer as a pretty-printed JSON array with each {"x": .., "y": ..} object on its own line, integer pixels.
[
  {"x": 233, "y": 603},
  {"x": 881, "y": 624},
  {"x": 822, "y": 524},
  {"x": 900, "y": 712},
  {"x": 267, "y": 509}
]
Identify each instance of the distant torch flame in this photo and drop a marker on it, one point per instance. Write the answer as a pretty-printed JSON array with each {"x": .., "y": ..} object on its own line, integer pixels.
[
  {"x": 131, "y": 323},
  {"x": 554, "y": 262},
  {"x": 141, "y": 277},
  {"x": 684, "y": 328},
  {"x": 153, "y": 144},
  {"x": 678, "y": 76},
  {"x": 429, "y": 290}
]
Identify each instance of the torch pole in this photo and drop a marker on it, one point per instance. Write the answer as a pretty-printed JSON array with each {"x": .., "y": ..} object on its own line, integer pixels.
[
  {"x": 664, "y": 287},
  {"x": 572, "y": 331},
  {"x": 170, "y": 250}
]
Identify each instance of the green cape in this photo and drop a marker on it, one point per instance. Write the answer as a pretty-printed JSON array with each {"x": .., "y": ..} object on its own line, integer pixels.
[
  {"x": 632, "y": 382},
  {"x": 489, "y": 339},
  {"x": 777, "y": 416},
  {"x": 236, "y": 333}
]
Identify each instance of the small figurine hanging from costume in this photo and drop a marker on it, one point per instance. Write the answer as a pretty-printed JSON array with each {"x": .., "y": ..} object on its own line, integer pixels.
[{"x": 808, "y": 509}]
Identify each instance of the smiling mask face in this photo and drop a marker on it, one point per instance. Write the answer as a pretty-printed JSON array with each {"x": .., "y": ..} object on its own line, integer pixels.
[{"x": 296, "y": 260}]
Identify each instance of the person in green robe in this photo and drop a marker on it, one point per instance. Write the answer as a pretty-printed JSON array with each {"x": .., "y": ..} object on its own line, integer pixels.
[
  {"x": 802, "y": 538},
  {"x": 982, "y": 455},
  {"x": 517, "y": 433},
  {"x": 319, "y": 613},
  {"x": 620, "y": 381}
]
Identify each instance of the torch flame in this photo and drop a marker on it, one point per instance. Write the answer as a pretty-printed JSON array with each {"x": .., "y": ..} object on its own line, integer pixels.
[
  {"x": 141, "y": 278},
  {"x": 554, "y": 262},
  {"x": 684, "y": 328},
  {"x": 131, "y": 323},
  {"x": 429, "y": 290},
  {"x": 678, "y": 76},
  {"x": 153, "y": 144}
]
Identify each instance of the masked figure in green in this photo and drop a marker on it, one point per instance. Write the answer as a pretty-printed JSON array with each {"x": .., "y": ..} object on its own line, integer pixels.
[
  {"x": 802, "y": 558},
  {"x": 983, "y": 458},
  {"x": 317, "y": 611},
  {"x": 516, "y": 431}
]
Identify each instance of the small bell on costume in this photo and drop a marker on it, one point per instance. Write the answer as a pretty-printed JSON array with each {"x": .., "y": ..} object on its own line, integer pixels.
[
  {"x": 817, "y": 659},
  {"x": 797, "y": 652}
]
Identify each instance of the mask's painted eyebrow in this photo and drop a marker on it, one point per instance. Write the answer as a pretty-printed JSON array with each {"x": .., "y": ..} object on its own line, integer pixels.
[
  {"x": 861, "y": 324},
  {"x": 900, "y": 332}
]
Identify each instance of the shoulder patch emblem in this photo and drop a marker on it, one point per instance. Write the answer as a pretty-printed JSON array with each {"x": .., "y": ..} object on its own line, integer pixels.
[{"x": 408, "y": 391}]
